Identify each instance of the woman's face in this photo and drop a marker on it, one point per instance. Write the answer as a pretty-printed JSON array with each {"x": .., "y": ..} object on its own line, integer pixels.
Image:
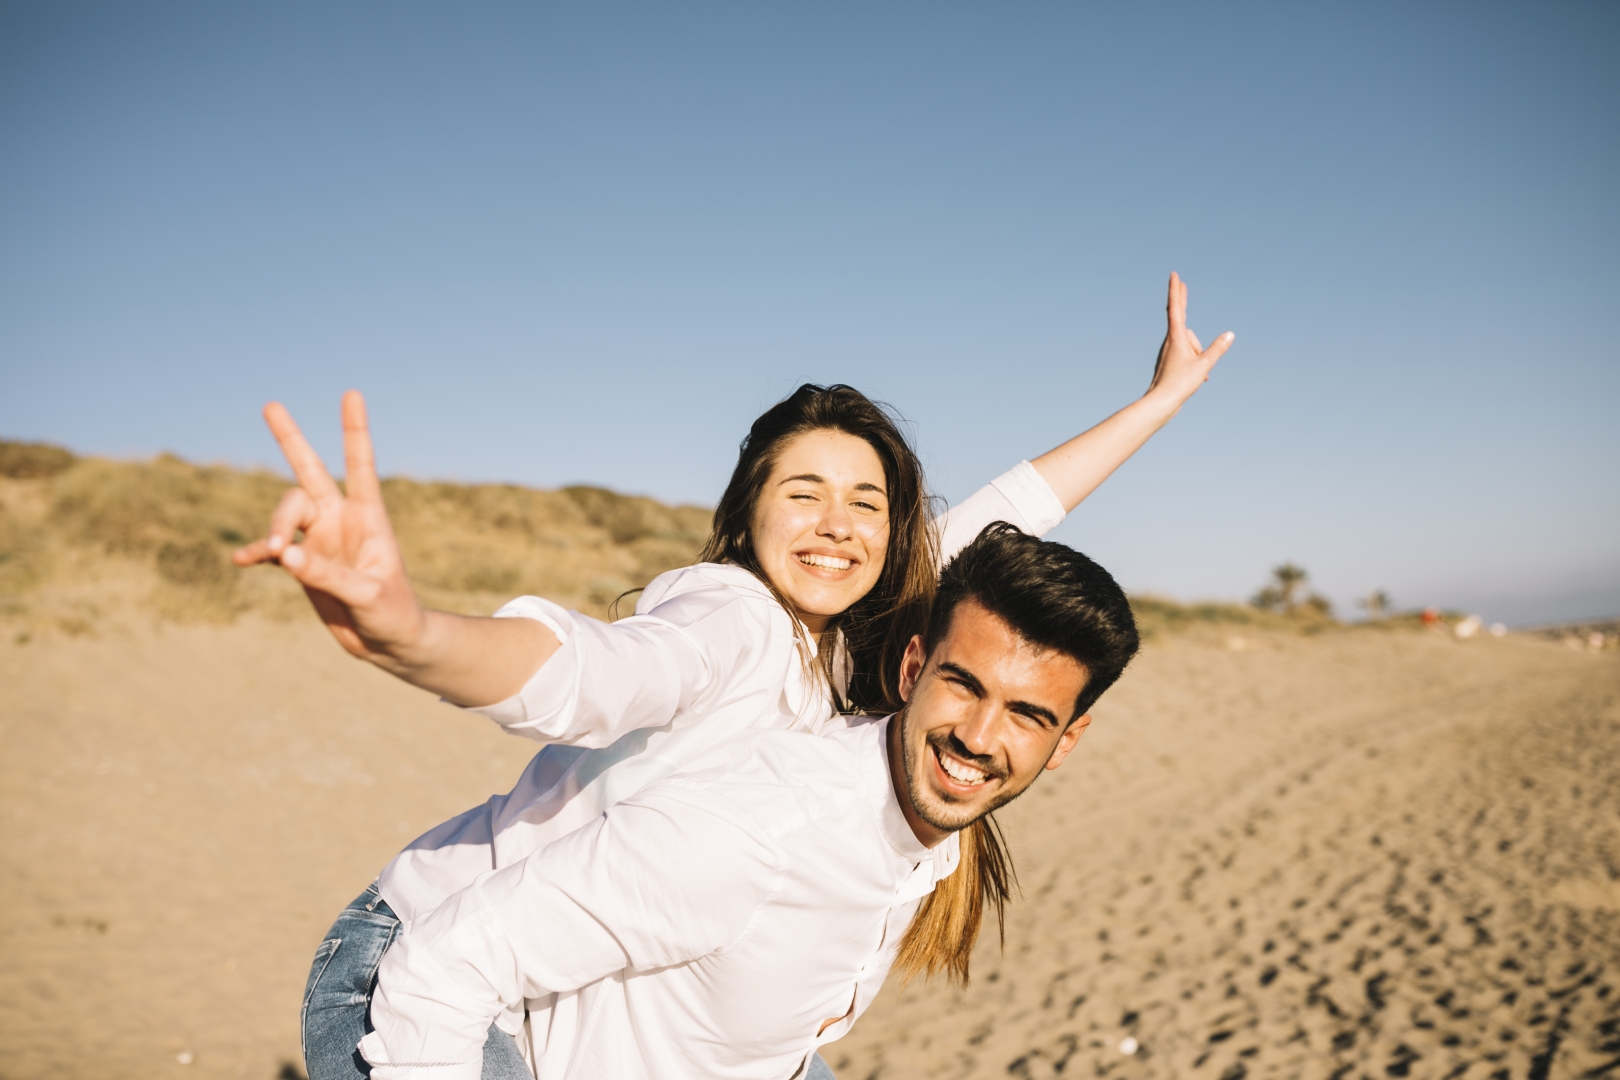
[{"x": 821, "y": 526}]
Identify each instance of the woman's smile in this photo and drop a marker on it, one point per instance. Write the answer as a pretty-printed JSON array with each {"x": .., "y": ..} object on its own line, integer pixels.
[{"x": 819, "y": 561}]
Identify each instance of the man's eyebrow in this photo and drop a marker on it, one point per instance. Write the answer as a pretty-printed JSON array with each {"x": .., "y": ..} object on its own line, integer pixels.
[
  {"x": 1040, "y": 712},
  {"x": 962, "y": 673}
]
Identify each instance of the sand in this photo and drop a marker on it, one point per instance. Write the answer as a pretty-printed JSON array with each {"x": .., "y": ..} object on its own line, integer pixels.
[{"x": 1354, "y": 854}]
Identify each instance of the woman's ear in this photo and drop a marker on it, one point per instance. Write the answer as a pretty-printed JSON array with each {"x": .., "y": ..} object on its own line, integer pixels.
[{"x": 911, "y": 666}]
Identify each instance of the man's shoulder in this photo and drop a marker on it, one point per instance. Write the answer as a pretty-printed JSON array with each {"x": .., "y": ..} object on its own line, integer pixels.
[{"x": 772, "y": 782}]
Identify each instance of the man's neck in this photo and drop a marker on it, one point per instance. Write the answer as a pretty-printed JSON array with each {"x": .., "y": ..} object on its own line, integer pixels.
[{"x": 926, "y": 834}]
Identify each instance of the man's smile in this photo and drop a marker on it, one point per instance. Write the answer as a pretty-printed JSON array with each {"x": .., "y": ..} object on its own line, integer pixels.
[{"x": 958, "y": 775}]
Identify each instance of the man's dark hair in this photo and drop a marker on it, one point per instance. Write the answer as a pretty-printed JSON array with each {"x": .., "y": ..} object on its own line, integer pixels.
[{"x": 1051, "y": 595}]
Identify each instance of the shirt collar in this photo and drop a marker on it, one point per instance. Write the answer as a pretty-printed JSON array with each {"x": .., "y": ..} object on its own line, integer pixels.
[{"x": 896, "y": 829}]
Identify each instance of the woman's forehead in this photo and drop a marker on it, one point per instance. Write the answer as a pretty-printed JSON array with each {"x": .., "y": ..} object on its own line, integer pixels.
[{"x": 829, "y": 456}]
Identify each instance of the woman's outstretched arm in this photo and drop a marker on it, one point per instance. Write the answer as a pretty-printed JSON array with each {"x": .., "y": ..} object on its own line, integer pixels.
[
  {"x": 1076, "y": 469},
  {"x": 350, "y": 566}
]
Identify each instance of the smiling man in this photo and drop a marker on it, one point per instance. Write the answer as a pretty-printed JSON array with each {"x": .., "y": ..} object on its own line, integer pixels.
[{"x": 727, "y": 920}]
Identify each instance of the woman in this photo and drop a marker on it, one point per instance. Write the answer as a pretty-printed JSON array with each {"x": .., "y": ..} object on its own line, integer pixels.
[{"x": 821, "y": 564}]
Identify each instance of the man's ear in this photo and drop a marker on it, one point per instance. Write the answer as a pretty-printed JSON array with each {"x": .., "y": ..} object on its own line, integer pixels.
[
  {"x": 1067, "y": 740},
  {"x": 911, "y": 666}
]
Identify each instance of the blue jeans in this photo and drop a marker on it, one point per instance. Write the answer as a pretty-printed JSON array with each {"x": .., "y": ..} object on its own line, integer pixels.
[{"x": 337, "y": 999}]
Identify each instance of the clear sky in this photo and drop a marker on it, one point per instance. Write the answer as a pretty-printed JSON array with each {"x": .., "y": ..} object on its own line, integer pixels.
[{"x": 589, "y": 243}]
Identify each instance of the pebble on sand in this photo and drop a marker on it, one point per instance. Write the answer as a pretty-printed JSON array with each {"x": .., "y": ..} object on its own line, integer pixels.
[
  {"x": 1128, "y": 1045},
  {"x": 184, "y": 1057}
]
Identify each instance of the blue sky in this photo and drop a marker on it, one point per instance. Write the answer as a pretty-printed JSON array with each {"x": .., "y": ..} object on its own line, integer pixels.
[{"x": 589, "y": 243}]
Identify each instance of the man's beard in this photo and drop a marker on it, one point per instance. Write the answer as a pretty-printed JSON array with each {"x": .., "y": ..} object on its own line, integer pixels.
[{"x": 933, "y": 807}]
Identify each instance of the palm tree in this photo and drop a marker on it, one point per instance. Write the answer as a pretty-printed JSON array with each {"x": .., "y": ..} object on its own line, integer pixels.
[
  {"x": 1282, "y": 593},
  {"x": 1378, "y": 604}
]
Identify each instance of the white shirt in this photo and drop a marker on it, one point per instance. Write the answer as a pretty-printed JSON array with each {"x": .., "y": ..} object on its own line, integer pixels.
[
  {"x": 706, "y": 926},
  {"x": 708, "y": 656}
]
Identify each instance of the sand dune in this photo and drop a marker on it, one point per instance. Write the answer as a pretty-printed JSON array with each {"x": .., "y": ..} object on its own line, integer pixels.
[{"x": 1333, "y": 856}]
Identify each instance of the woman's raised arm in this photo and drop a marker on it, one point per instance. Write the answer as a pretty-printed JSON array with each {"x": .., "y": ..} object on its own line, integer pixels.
[
  {"x": 350, "y": 566},
  {"x": 1076, "y": 469}
]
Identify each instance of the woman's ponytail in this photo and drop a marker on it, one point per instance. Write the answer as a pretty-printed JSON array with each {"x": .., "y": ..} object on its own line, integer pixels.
[{"x": 946, "y": 925}]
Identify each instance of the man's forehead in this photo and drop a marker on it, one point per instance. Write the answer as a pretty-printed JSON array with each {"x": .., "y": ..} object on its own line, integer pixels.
[{"x": 978, "y": 635}]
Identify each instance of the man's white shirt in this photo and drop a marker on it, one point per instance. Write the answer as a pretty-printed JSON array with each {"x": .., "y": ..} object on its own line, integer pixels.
[
  {"x": 709, "y": 656},
  {"x": 705, "y": 926}
]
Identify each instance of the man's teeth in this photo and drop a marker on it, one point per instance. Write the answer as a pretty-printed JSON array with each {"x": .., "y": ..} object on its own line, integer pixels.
[
  {"x": 826, "y": 562},
  {"x": 962, "y": 774}
]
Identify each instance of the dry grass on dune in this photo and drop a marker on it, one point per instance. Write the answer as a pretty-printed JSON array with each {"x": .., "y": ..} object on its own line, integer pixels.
[{"x": 77, "y": 532}]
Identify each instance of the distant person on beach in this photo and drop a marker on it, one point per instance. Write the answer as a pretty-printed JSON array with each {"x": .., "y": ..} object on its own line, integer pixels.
[
  {"x": 818, "y": 573},
  {"x": 731, "y": 917}
]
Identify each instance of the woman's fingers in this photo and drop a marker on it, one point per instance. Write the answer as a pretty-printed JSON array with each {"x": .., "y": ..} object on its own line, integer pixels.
[
  {"x": 1218, "y": 347},
  {"x": 252, "y": 554},
  {"x": 1176, "y": 305},
  {"x": 306, "y": 464},
  {"x": 295, "y": 511},
  {"x": 314, "y": 571},
  {"x": 359, "y": 461}
]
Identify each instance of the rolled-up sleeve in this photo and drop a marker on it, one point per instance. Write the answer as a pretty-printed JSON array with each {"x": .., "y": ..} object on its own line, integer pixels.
[
  {"x": 1020, "y": 496},
  {"x": 608, "y": 679},
  {"x": 659, "y": 880}
]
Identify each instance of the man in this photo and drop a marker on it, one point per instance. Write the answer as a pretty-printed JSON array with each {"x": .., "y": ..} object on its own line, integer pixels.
[{"x": 727, "y": 920}]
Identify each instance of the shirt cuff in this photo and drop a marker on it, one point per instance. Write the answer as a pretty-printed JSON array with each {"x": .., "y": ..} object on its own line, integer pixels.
[
  {"x": 1033, "y": 498},
  {"x": 371, "y": 1048},
  {"x": 553, "y": 616}
]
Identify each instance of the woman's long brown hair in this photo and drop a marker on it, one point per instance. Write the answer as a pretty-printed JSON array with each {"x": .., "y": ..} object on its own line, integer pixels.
[{"x": 876, "y": 630}]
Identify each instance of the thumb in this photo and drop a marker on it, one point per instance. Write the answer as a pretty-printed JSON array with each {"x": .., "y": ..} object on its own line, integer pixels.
[
  {"x": 317, "y": 572},
  {"x": 1218, "y": 347}
]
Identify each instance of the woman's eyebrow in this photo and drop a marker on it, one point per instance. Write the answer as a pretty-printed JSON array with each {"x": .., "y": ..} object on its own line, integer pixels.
[{"x": 812, "y": 478}]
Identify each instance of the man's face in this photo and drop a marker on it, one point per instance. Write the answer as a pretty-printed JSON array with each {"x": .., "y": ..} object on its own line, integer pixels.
[{"x": 985, "y": 713}]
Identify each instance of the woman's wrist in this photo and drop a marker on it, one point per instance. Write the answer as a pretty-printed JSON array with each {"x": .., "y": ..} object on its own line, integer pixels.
[{"x": 1161, "y": 402}]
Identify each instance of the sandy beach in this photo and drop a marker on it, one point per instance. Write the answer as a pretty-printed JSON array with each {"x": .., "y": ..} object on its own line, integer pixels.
[{"x": 1341, "y": 855}]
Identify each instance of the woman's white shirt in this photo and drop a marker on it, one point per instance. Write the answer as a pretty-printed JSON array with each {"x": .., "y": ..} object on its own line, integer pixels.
[{"x": 708, "y": 655}]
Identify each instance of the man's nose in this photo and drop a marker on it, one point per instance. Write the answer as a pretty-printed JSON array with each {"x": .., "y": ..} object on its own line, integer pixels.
[{"x": 977, "y": 731}]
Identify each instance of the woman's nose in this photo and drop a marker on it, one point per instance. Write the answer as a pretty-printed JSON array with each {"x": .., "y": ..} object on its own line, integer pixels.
[{"x": 835, "y": 523}]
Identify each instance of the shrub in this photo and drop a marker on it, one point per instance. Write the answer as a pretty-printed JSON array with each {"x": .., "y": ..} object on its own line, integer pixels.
[{"x": 33, "y": 461}]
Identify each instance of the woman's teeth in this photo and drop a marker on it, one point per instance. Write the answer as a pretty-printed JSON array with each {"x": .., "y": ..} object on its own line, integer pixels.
[
  {"x": 826, "y": 562},
  {"x": 961, "y": 773}
]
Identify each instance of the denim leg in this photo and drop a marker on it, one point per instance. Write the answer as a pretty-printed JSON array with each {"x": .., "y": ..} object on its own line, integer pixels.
[
  {"x": 502, "y": 1060},
  {"x": 818, "y": 1069},
  {"x": 338, "y": 993}
]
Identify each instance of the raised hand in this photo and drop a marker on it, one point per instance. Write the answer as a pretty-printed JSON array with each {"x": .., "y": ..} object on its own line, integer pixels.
[
  {"x": 348, "y": 562},
  {"x": 1075, "y": 469},
  {"x": 1184, "y": 364}
]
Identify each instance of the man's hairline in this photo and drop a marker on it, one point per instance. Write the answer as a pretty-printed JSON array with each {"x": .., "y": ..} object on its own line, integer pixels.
[{"x": 973, "y": 598}]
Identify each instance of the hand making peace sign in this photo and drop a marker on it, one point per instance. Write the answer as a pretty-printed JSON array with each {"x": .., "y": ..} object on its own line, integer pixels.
[{"x": 350, "y": 566}]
